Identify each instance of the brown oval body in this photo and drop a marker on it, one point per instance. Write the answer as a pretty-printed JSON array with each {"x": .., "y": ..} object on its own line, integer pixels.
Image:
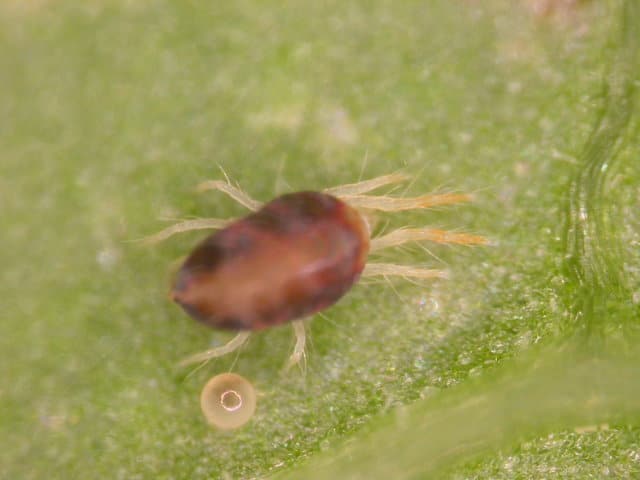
[{"x": 295, "y": 256}]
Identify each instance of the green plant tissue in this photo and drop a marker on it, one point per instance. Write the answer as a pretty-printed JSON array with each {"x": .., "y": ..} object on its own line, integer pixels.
[{"x": 522, "y": 364}]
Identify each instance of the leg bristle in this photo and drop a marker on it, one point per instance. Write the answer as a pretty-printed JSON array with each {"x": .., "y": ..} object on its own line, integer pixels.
[
  {"x": 367, "y": 185},
  {"x": 397, "y": 204},
  {"x": 298, "y": 356},
  {"x": 186, "y": 226},
  {"x": 233, "y": 192},
  {"x": 404, "y": 235},
  {"x": 233, "y": 344},
  {"x": 384, "y": 269}
]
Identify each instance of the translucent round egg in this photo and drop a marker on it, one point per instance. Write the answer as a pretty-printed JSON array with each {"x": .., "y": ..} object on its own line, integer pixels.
[{"x": 228, "y": 401}]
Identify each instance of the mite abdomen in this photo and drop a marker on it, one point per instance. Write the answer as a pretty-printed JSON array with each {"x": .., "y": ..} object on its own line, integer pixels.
[{"x": 295, "y": 256}]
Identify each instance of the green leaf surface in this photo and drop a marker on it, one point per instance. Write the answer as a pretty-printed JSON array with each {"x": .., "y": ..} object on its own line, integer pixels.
[{"x": 522, "y": 364}]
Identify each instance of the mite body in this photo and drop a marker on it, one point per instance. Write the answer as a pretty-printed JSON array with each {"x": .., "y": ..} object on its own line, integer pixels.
[{"x": 295, "y": 256}]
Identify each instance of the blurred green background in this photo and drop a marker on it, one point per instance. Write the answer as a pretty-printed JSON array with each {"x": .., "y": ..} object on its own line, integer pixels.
[{"x": 522, "y": 365}]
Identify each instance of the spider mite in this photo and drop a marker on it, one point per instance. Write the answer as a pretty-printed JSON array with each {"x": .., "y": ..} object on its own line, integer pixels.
[{"x": 293, "y": 256}]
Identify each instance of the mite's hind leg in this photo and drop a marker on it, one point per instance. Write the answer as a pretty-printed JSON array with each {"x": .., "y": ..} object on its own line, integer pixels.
[
  {"x": 404, "y": 235},
  {"x": 385, "y": 269},
  {"x": 366, "y": 185},
  {"x": 186, "y": 226},
  {"x": 298, "y": 351},
  {"x": 233, "y": 192},
  {"x": 235, "y": 343}
]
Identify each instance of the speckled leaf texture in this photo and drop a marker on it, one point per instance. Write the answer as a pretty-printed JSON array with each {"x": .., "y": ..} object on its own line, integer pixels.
[{"x": 522, "y": 364}]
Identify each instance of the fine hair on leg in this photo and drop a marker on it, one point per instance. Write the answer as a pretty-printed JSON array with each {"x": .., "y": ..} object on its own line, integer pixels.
[
  {"x": 186, "y": 226},
  {"x": 298, "y": 350},
  {"x": 397, "y": 204},
  {"x": 233, "y": 192},
  {"x": 233, "y": 344},
  {"x": 384, "y": 269},
  {"x": 366, "y": 185},
  {"x": 404, "y": 235}
]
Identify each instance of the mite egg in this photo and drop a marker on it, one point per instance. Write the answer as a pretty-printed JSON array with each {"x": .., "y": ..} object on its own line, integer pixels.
[{"x": 228, "y": 401}]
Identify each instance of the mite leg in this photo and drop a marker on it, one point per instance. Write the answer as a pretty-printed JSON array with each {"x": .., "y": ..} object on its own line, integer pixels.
[
  {"x": 366, "y": 185},
  {"x": 207, "y": 223},
  {"x": 233, "y": 344},
  {"x": 186, "y": 226},
  {"x": 384, "y": 269},
  {"x": 396, "y": 204},
  {"x": 404, "y": 235},
  {"x": 233, "y": 192},
  {"x": 298, "y": 350}
]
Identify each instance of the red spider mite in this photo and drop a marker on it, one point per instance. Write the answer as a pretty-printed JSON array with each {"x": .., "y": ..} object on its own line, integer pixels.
[{"x": 293, "y": 257}]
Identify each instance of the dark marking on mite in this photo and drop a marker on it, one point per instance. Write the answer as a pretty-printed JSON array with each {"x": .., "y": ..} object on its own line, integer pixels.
[{"x": 295, "y": 256}]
